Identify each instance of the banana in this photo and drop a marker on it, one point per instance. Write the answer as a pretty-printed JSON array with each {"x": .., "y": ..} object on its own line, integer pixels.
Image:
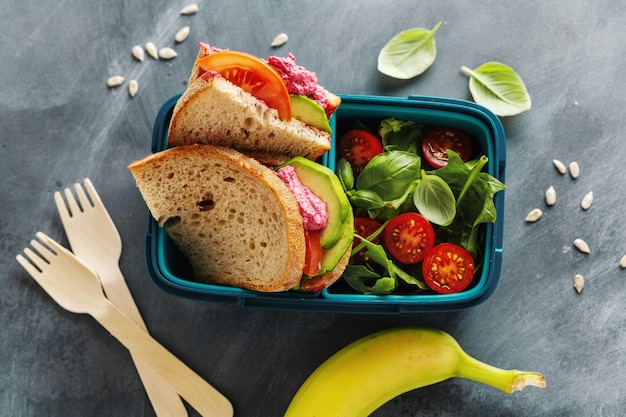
[{"x": 369, "y": 372}]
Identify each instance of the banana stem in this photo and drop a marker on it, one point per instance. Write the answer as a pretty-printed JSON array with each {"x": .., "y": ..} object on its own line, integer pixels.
[{"x": 508, "y": 381}]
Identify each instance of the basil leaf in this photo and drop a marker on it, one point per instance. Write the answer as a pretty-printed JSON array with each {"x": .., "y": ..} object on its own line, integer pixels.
[
  {"x": 434, "y": 199},
  {"x": 366, "y": 199},
  {"x": 345, "y": 174},
  {"x": 499, "y": 88},
  {"x": 389, "y": 174},
  {"x": 409, "y": 53}
]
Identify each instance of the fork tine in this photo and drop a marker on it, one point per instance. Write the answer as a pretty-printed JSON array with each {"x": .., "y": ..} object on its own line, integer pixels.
[
  {"x": 82, "y": 197},
  {"x": 71, "y": 203},
  {"x": 61, "y": 206},
  {"x": 93, "y": 194},
  {"x": 32, "y": 264}
]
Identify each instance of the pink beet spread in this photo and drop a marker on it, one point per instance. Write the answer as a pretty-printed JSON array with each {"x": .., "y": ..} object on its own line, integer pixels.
[{"x": 313, "y": 210}]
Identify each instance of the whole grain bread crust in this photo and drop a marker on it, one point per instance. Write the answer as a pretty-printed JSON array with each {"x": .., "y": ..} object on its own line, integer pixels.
[{"x": 233, "y": 218}]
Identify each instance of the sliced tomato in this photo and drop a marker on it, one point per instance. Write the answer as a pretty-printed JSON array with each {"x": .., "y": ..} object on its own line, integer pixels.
[
  {"x": 364, "y": 226},
  {"x": 448, "y": 268},
  {"x": 438, "y": 140},
  {"x": 253, "y": 75},
  {"x": 358, "y": 147},
  {"x": 408, "y": 237},
  {"x": 313, "y": 255}
]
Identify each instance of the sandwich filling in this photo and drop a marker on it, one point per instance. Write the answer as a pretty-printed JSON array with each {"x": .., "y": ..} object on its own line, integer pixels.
[
  {"x": 297, "y": 79},
  {"x": 313, "y": 209}
]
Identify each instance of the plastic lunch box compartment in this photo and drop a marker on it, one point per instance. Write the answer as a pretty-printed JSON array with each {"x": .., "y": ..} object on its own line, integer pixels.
[{"x": 169, "y": 269}]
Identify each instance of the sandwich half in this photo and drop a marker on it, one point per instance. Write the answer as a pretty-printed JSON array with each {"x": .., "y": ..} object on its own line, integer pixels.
[
  {"x": 235, "y": 220},
  {"x": 270, "y": 110}
]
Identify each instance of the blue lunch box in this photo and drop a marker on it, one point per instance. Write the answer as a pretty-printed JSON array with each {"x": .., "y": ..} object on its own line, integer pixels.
[{"x": 169, "y": 269}]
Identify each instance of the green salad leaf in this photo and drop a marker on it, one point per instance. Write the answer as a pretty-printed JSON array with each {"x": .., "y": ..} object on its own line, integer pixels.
[
  {"x": 474, "y": 191},
  {"x": 499, "y": 88},
  {"x": 434, "y": 200},
  {"x": 409, "y": 53},
  {"x": 389, "y": 174},
  {"x": 403, "y": 135}
]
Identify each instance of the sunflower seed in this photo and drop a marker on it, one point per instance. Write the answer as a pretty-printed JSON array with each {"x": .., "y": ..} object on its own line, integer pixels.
[
  {"x": 167, "y": 53},
  {"x": 579, "y": 282},
  {"x": 137, "y": 52},
  {"x": 622, "y": 262},
  {"x": 133, "y": 87},
  {"x": 574, "y": 169},
  {"x": 581, "y": 245},
  {"x": 534, "y": 215},
  {"x": 587, "y": 200},
  {"x": 279, "y": 40},
  {"x": 550, "y": 196},
  {"x": 115, "y": 81},
  {"x": 152, "y": 50},
  {"x": 560, "y": 166},
  {"x": 191, "y": 8},
  {"x": 182, "y": 34}
]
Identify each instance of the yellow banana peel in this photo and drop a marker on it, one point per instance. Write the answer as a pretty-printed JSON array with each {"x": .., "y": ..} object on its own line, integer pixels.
[{"x": 371, "y": 371}]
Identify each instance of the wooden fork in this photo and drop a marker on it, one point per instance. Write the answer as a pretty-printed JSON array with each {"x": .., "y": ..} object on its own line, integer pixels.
[
  {"x": 94, "y": 239},
  {"x": 76, "y": 288}
]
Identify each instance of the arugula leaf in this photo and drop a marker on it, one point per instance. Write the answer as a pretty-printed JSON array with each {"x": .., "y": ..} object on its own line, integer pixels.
[
  {"x": 499, "y": 88},
  {"x": 474, "y": 191},
  {"x": 409, "y": 53}
]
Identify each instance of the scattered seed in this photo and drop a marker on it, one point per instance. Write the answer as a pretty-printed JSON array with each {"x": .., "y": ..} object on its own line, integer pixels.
[
  {"x": 133, "y": 87},
  {"x": 534, "y": 215},
  {"x": 279, "y": 40},
  {"x": 574, "y": 169},
  {"x": 550, "y": 196},
  {"x": 152, "y": 50},
  {"x": 587, "y": 200},
  {"x": 137, "y": 52},
  {"x": 560, "y": 166},
  {"x": 182, "y": 34},
  {"x": 167, "y": 53},
  {"x": 579, "y": 282},
  {"x": 581, "y": 245},
  {"x": 115, "y": 81},
  {"x": 191, "y": 8},
  {"x": 622, "y": 262}
]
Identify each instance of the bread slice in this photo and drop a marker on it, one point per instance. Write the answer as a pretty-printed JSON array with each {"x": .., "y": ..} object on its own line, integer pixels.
[
  {"x": 214, "y": 111},
  {"x": 233, "y": 218}
]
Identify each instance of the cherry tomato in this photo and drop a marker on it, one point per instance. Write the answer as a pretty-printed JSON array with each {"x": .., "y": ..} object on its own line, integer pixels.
[
  {"x": 358, "y": 147},
  {"x": 313, "y": 255},
  {"x": 364, "y": 226},
  {"x": 438, "y": 140},
  {"x": 253, "y": 75},
  {"x": 408, "y": 237},
  {"x": 448, "y": 268}
]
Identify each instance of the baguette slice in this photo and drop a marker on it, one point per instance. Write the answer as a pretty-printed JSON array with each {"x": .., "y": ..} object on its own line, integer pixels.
[
  {"x": 212, "y": 110},
  {"x": 233, "y": 218}
]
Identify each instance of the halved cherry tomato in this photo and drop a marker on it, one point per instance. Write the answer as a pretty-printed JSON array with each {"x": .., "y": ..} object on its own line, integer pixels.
[
  {"x": 253, "y": 75},
  {"x": 358, "y": 147},
  {"x": 313, "y": 254},
  {"x": 364, "y": 226},
  {"x": 448, "y": 268},
  {"x": 408, "y": 237},
  {"x": 438, "y": 140}
]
